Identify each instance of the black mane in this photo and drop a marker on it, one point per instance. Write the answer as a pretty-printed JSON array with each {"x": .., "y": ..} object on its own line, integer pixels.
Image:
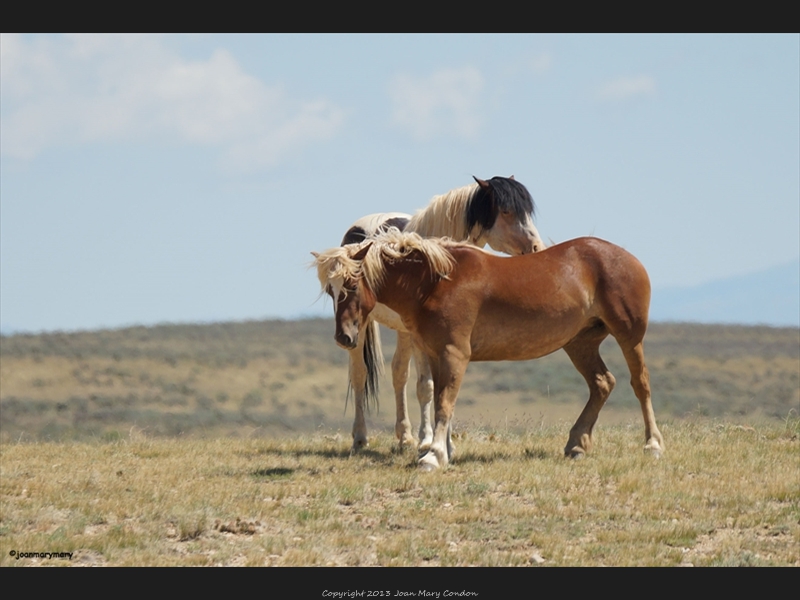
[{"x": 504, "y": 194}]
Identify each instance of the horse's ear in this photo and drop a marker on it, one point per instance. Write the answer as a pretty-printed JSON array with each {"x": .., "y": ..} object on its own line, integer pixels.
[
  {"x": 315, "y": 254},
  {"x": 363, "y": 252},
  {"x": 481, "y": 182}
]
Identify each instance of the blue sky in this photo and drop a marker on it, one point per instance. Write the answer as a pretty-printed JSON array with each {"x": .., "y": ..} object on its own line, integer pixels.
[{"x": 146, "y": 179}]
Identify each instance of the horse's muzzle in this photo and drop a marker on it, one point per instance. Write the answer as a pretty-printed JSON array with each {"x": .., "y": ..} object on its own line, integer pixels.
[{"x": 346, "y": 341}]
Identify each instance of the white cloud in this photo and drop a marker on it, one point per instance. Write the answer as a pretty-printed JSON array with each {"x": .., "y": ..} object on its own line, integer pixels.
[
  {"x": 446, "y": 102},
  {"x": 625, "y": 88},
  {"x": 541, "y": 62},
  {"x": 95, "y": 88}
]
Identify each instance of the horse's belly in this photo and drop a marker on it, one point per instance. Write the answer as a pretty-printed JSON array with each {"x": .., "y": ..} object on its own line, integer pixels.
[
  {"x": 514, "y": 349},
  {"x": 521, "y": 338},
  {"x": 386, "y": 316}
]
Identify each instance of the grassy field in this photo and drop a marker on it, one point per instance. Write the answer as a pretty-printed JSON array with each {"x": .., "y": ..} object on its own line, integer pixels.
[
  {"x": 228, "y": 444},
  {"x": 726, "y": 495}
]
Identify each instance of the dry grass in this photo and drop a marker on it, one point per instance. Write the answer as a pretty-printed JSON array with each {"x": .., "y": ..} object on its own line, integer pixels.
[
  {"x": 722, "y": 495},
  {"x": 228, "y": 444}
]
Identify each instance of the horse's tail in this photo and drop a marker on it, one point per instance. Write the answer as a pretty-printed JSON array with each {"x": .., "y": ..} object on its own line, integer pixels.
[{"x": 373, "y": 359}]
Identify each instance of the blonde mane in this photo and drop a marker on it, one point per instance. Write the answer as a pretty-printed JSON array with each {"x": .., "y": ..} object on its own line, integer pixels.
[
  {"x": 336, "y": 267},
  {"x": 445, "y": 215}
]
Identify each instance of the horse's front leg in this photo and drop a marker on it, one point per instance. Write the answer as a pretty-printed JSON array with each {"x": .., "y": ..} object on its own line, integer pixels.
[
  {"x": 448, "y": 371},
  {"x": 358, "y": 383},
  {"x": 451, "y": 447},
  {"x": 425, "y": 398},
  {"x": 400, "y": 362}
]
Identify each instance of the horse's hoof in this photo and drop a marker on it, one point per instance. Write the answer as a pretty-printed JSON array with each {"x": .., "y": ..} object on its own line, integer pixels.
[
  {"x": 575, "y": 453},
  {"x": 654, "y": 450},
  {"x": 428, "y": 463},
  {"x": 407, "y": 442},
  {"x": 359, "y": 445}
]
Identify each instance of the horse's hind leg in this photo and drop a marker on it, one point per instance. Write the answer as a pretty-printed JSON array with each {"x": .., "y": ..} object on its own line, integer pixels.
[
  {"x": 584, "y": 351},
  {"x": 400, "y": 368},
  {"x": 640, "y": 380}
]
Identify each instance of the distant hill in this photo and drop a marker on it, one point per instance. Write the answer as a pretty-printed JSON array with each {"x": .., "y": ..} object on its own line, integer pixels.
[
  {"x": 770, "y": 297},
  {"x": 267, "y": 378}
]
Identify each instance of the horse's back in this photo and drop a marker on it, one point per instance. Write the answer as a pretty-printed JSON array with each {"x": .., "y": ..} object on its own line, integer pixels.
[
  {"x": 597, "y": 261},
  {"x": 369, "y": 225},
  {"x": 611, "y": 281},
  {"x": 527, "y": 306},
  {"x": 609, "y": 259}
]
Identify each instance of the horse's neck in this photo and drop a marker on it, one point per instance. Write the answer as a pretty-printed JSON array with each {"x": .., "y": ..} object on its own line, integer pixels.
[
  {"x": 445, "y": 216},
  {"x": 406, "y": 284},
  {"x": 477, "y": 237}
]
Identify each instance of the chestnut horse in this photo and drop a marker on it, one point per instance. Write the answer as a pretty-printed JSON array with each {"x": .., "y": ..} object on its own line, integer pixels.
[
  {"x": 496, "y": 212},
  {"x": 462, "y": 304}
]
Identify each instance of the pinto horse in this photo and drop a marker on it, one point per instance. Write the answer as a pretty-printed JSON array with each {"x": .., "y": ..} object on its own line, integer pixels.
[
  {"x": 495, "y": 212},
  {"x": 463, "y": 304}
]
